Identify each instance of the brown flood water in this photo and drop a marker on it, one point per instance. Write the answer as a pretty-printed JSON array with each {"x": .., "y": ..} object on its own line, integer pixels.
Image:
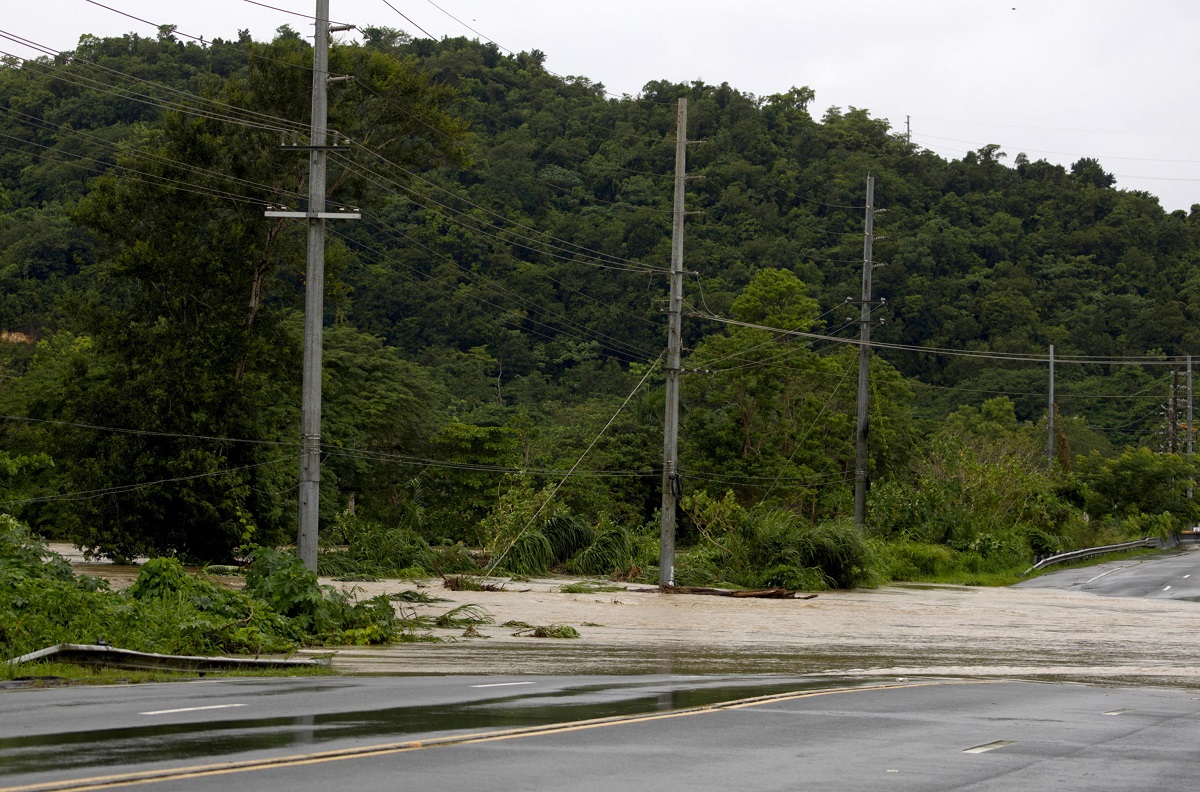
[
  {"x": 888, "y": 632},
  {"x": 895, "y": 631}
]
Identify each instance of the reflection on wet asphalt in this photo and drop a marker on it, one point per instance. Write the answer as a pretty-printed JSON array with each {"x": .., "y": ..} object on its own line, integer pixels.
[{"x": 182, "y": 741}]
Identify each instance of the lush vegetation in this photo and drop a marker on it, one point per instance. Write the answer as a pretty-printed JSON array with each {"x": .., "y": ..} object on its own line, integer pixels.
[
  {"x": 43, "y": 602},
  {"x": 501, "y": 299}
]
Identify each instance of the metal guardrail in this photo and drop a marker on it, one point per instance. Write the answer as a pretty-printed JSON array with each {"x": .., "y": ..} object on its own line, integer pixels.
[
  {"x": 111, "y": 656},
  {"x": 1088, "y": 552}
]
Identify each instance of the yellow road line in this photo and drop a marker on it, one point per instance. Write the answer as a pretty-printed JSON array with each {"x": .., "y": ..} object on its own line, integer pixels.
[{"x": 386, "y": 749}]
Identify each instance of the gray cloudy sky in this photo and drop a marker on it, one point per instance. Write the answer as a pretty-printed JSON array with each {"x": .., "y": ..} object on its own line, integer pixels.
[{"x": 1056, "y": 79}]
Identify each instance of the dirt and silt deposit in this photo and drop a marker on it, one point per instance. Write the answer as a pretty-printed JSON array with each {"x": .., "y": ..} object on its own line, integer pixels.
[{"x": 894, "y": 631}]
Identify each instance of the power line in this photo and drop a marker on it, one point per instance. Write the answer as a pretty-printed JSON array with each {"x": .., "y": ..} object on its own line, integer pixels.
[
  {"x": 174, "y": 30},
  {"x": 152, "y": 179},
  {"x": 145, "y": 432},
  {"x": 147, "y": 155},
  {"x": 255, "y": 119},
  {"x": 1166, "y": 360},
  {"x": 127, "y": 488},
  {"x": 296, "y": 13},
  {"x": 500, "y": 556},
  {"x": 511, "y": 53},
  {"x": 622, "y": 348},
  {"x": 599, "y": 258},
  {"x": 1135, "y": 395}
]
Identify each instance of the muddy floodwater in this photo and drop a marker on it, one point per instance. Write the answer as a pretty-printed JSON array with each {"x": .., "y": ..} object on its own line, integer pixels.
[{"x": 896, "y": 631}]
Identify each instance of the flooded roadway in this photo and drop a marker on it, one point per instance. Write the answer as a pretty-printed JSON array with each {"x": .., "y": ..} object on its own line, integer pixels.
[
  {"x": 78, "y": 730},
  {"x": 453, "y": 733}
]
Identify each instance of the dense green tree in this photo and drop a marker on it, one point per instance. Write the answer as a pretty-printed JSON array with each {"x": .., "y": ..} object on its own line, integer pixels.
[{"x": 505, "y": 287}]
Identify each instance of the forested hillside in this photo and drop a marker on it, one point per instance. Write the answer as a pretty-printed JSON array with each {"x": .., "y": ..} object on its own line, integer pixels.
[{"x": 502, "y": 297}]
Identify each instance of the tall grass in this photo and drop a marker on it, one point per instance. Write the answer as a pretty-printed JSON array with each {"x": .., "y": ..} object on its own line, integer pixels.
[{"x": 761, "y": 547}]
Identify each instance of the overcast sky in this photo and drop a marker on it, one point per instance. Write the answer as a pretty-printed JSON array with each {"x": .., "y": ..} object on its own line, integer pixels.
[{"x": 1056, "y": 79}]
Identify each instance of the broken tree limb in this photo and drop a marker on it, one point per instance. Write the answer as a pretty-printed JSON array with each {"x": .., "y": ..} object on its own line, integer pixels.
[{"x": 767, "y": 593}]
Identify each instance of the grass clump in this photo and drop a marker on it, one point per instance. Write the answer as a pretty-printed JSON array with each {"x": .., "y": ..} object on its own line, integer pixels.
[
  {"x": 470, "y": 583},
  {"x": 549, "y": 631},
  {"x": 463, "y": 616},
  {"x": 415, "y": 596}
]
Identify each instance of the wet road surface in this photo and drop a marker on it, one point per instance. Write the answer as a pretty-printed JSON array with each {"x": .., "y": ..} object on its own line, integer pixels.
[
  {"x": 1173, "y": 575},
  {"x": 556, "y": 733}
]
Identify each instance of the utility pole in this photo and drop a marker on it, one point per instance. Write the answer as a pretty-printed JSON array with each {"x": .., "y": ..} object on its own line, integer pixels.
[
  {"x": 1173, "y": 414},
  {"x": 861, "y": 461},
  {"x": 670, "y": 482},
  {"x": 1050, "y": 412},
  {"x": 908, "y": 129},
  {"x": 1190, "y": 443},
  {"x": 314, "y": 287}
]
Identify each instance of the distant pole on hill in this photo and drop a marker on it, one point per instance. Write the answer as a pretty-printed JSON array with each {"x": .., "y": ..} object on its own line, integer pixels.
[
  {"x": 318, "y": 149},
  {"x": 670, "y": 480},
  {"x": 861, "y": 461}
]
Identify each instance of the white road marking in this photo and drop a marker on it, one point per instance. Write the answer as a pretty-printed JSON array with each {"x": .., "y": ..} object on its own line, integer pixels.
[
  {"x": 1185, "y": 577},
  {"x": 191, "y": 709},
  {"x": 1119, "y": 711},
  {"x": 990, "y": 746},
  {"x": 1102, "y": 574},
  {"x": 502, "y": 684},
  {"x": 1168, "y": 588}
]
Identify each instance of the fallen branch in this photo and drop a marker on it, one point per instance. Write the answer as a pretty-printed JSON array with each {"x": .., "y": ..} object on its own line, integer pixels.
[{"x": 767, "y": 593}]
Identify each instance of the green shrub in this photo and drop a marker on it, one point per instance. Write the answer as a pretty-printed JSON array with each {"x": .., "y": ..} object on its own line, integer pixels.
[
  {"x": 160, "y": 577},
  {"x": 908, "y": 560},
  {"x": 43, "y": 602}
]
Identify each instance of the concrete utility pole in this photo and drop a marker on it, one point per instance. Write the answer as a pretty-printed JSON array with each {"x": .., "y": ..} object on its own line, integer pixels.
[
  {"x": 861, "y": 461},
  {"x": 1173, "y": 414},
  {"x": 1190, "y": 443},
  {"x": 314, "y": 288},
  {"x": 1050, "y": 413},
  {"x": 670, "y": 480}
]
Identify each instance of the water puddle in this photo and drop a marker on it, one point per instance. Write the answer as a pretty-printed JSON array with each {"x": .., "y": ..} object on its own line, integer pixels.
[{"x": 177, "y": 742}]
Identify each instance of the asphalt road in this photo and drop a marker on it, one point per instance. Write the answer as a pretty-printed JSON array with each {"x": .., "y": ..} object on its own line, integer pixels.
[
  {"x": 1170, "y": 575},
  {"x": 560, "y": 733}
]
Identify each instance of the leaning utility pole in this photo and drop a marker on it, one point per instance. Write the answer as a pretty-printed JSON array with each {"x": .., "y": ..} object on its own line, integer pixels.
[
  {"x": 314, "y": 288},
  {"x": 670, "y": 480},
  {"x": 1050, "y": 413},
  {"x": 861, "y": 461}
]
